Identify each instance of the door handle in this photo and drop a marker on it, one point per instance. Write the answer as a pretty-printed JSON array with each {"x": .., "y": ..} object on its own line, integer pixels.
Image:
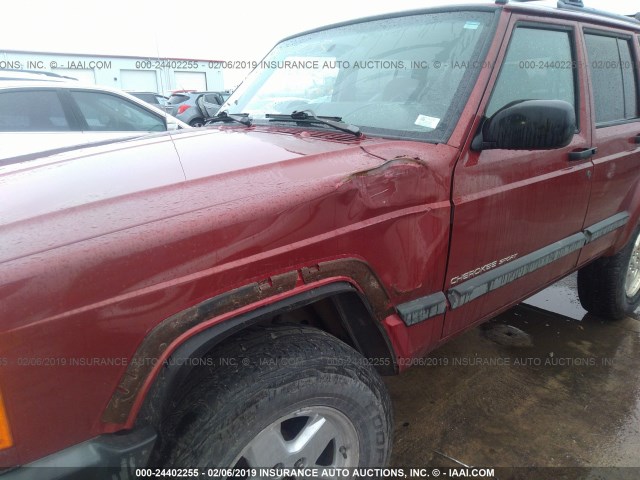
[{"x": 582, "y": 154}]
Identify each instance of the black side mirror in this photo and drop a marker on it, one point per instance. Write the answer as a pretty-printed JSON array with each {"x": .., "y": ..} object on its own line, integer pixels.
[{"x": 528, "y": 125}]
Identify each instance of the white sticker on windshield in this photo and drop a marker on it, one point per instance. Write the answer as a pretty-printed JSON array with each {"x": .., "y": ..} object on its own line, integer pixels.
[
  {"x": 425, "y": 121},
  {"x": 472, "y": 25}
]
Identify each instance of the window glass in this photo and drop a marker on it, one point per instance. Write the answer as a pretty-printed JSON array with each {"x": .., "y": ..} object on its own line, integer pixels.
[
  {"x": 629, "y": 80},
  {"x": 32, "y": 111},
  {"x": 105, "y": 112},
  {"x": 538, "y": 66},
  {"x": 212, "y": 98},
  {"x": 404, "y": 76},
  {"x": 612, "y": 78},
  {"x": 606, "y": 77}
]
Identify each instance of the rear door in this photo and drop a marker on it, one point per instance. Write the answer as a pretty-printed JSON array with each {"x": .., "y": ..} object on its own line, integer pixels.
[
  {"x": 518, "y": 214},
  {"x": 612, "y": 60}
]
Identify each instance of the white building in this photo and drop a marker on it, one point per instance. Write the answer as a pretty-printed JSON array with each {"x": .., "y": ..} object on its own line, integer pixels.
[{"x": 161, "y": 75}]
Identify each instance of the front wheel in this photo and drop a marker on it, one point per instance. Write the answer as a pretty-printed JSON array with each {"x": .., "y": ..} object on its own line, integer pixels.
[
  {"x": 610, "y": 286},
  {"x": 284, "y": 398}
]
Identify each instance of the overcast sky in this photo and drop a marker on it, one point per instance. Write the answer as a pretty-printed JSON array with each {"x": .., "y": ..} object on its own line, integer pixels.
[{"x": 200, "y": 29}]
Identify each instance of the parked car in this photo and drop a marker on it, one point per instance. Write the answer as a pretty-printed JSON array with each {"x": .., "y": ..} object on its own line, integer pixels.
[
  {"x": 33, "y": 75},
  {"x": 39, "y": 114},
  {"x": 155, "y": 99},
  {"x": 195, "y": 108},
  {"x": 229, "y": 297}
]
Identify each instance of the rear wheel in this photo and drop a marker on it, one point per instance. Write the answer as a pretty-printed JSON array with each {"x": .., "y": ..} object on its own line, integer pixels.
[
  {"x": 280, "y": 397},
  {"x": 197, "y": 122},
  {"x": 610, "y": 286}
]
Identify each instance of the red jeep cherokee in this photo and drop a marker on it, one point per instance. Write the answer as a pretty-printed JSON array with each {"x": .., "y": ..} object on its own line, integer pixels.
[{"x": 228, "y": 297}]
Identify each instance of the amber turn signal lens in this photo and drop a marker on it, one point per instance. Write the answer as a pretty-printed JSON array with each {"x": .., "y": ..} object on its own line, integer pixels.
[{"x": 6, "y": 440}]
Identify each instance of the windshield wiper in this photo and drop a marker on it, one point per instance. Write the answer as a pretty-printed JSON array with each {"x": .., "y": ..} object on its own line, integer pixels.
[
  {"x": 225, "y": 117},
  {"x": 307, "y": 116}
]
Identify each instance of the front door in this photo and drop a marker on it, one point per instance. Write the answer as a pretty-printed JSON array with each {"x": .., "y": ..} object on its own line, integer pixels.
[{"x": 518, "y": 215}]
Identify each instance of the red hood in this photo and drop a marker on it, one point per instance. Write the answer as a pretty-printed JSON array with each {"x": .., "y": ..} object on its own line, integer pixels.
[
  {"x": 224, "y": 150},
  {"x": 87, "y": 193}
]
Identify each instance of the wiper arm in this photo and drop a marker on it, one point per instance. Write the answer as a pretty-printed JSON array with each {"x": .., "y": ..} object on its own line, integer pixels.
[
  {"x": 225, "y": 117},
  {"x": 307, "y": 116}
]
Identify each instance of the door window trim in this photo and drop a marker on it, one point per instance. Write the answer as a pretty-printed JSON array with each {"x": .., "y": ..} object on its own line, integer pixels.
[
  {"x": 628, "y": 37},
  {"x": 572, "y": 31}
]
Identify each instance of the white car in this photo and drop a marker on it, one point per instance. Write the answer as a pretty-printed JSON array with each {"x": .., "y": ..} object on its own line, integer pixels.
[{"x": 47, "y": 113}]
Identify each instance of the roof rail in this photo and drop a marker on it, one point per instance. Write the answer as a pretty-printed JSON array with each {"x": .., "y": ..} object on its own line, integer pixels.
[
  {"x": 573, "y": 5},
  {"x": 578, "y": 6}
]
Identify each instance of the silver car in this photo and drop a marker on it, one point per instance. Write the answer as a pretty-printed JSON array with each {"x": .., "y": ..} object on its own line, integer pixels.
[
  {"x": 155, "y": 99},
  {"x": 41, "y": 114},
  {"x": 195, "y": 108}
]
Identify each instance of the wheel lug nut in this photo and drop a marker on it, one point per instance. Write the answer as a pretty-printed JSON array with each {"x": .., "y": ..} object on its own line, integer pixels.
[{"x": 300, "y": 463}]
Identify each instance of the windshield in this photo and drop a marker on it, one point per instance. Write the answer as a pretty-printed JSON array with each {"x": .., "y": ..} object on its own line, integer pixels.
[{"x": 404, "y": 76}]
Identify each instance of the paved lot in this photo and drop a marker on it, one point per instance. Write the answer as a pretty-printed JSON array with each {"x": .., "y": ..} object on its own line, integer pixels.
[{"x": 542, "y": 385}]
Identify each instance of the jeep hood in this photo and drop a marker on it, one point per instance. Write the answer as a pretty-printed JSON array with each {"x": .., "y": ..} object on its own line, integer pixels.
[{"x": 222, "y": 175}]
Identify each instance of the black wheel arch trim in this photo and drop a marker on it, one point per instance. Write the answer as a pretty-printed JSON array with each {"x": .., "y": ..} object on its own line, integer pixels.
[
  {"x": 372, "y": 295},
  {"x": 356, "y": 317}
]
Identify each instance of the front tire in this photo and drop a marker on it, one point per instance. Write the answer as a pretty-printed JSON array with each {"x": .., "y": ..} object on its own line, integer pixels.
[
  {"x": 280, "y": 397},
  {"x": 610, "y": 286}
]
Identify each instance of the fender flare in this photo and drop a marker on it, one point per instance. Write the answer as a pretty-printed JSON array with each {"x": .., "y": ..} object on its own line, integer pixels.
[
  {"x": 357, "y": 295},
  {"x": 342, "y": 294}
]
